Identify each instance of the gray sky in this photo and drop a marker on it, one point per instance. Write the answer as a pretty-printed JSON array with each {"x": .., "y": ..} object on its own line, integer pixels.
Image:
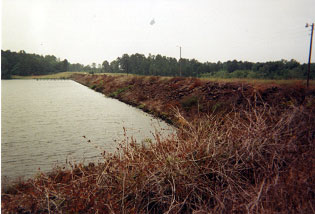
[{"x": 87, "y": 31}]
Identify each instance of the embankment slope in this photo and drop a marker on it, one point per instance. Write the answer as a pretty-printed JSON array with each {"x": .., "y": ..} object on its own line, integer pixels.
[
  {"x": 239, "y": 148},
  {"x": 192, "y": 97}
]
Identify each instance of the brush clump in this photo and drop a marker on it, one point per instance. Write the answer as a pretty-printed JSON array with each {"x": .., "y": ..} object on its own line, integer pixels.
[{"x": 256, "y": 160}]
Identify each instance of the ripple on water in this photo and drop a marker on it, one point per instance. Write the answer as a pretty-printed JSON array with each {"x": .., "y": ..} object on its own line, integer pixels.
[{"x": 43, "y": 123}]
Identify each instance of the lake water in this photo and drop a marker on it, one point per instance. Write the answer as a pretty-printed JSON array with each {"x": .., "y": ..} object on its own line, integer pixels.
[{"x": 42, "y": 124}]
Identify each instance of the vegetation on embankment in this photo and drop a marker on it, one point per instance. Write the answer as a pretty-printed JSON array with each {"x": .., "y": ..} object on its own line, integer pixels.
[
  {"x": 249, "y": 150},
  {"x": 162, "y": 95},
  {"x": 61, "y": 75}
]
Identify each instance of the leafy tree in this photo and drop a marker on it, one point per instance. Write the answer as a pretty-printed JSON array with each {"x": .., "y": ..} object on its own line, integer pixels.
[
  {"x": 93, "y": 67},
  {"x": 22, "y": 63},
  {"x": 115, "y": 66},
  {"x": 5, "y": 72},
  {"x": 125, "y": 64},
  {"x": 106, "y": 67}
]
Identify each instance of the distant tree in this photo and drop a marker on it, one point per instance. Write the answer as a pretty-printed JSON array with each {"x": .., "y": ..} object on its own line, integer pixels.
[
  {"x": 115, "y": 66},
  {"x": 106, "y": 67},
  {"x": 5, "y": 72},
  {"x": 88, "y": 68},
  {"x": 65, "y": 65},
  {"x": 125, "y": 63},
  {"x": 22, "y": 63},
  {"x": 93, "y": 66},
  {"x": 99, "y": 68},
  {"x": 76, "y": 67},
  {"x": 231, "y": 66}
]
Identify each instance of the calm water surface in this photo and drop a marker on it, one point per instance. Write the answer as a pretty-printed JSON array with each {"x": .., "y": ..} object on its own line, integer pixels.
[{"x": 42, "y": 124}]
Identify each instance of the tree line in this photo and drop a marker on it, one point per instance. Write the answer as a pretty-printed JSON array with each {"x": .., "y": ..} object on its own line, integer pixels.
[
  {"x": 167, "y": 66},
  {"x": 24, "y": 64}
]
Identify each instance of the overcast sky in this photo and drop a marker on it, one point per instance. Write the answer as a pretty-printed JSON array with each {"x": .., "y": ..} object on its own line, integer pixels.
[{"x": 87, "y": 31}]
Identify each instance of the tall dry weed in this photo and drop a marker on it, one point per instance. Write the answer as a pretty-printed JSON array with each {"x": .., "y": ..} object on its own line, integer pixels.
[{"x": 253, "y": 161}]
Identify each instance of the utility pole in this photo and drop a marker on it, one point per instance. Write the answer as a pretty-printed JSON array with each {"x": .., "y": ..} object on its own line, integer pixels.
[
  {"x": 310, "y": 55},
  {"x": 180, "y": 61}
]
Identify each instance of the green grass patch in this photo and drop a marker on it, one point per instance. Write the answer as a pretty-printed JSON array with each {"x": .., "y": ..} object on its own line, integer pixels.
[
  {"x": 141, "y": 106},
  {"x": 61, "y": 75},
  {"x": 117, "y": 74},
  {"x": 119, "y": 91},
  {"x": 93, "y": 86}
]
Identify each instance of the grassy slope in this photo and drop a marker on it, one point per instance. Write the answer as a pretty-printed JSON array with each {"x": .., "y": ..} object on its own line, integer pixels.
[
  {"x": 62, "y": 75},
  {"x": 264, "y": 81},
  {"x": 239, "y": 148},
  {"x": 161, "y": 95},
  {"x": 67, "y": 75}
]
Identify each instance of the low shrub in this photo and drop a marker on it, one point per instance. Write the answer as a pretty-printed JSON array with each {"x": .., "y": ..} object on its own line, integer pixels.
[
  {"x": 93, "y": 86},
  {"x": 119, "y": 91}
]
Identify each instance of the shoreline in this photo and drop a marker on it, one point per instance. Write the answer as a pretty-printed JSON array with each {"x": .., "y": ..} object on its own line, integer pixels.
[
  {"x": 239, "y": 148},
  {"x": 192, "y": 97}
]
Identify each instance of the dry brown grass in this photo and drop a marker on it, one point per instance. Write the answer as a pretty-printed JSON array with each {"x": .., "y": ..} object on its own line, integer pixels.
[
  {"x": 252, "y": 161},
  {"x": 290, "y": 82}
]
